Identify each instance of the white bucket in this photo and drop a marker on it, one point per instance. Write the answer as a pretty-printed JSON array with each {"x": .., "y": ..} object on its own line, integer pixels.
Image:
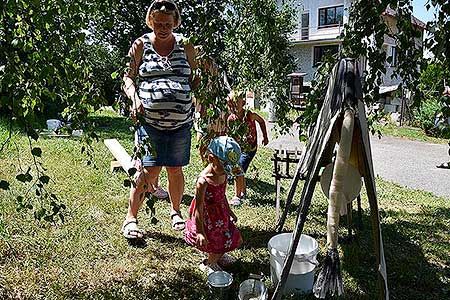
[
  {"x": 301, "y": 275},
  {"x": 53, "y": 124}
]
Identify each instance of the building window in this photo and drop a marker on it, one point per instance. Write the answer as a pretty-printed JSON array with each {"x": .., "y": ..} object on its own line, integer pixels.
[
  {"x": 305, "y": 26},
  {"x": 331, "y": 16},
  {"x": 393, "y": 56},
  {"x": 321, "y": 51}
]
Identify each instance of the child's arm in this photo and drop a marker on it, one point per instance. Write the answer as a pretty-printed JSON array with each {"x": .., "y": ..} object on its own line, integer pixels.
[
  {"x": 198, "y": 211},
  {"x": 262, "y": 125}
]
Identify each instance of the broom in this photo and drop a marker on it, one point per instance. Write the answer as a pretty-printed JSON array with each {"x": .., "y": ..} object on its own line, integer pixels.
[{"x": 329, "y": 280}]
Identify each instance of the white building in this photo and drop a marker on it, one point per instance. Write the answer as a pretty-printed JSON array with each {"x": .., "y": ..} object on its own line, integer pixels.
[{"x": 320, "y": 23}]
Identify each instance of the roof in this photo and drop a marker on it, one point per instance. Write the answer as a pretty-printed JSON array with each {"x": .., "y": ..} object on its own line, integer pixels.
[
  {"x": 295, "y": 74},
  {"x": 388, "y": 88},
  {"x": 393, "y": 13}
]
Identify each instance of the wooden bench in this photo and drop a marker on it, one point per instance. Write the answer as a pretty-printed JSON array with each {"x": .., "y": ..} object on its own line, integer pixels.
[{"x": 122, "y": 158}]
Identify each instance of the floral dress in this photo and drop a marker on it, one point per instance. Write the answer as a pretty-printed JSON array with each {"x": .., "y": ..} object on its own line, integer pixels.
[{"x": 221, "y": 233}]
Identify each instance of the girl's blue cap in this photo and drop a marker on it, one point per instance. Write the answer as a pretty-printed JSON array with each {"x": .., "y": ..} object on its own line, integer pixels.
[{"x": 228, "y": 152}]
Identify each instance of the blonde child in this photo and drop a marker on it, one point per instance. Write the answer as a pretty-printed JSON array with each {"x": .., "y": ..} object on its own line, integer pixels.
[
  {"x": 211, "y": 225},
  {"x": 236, "y": 103}
]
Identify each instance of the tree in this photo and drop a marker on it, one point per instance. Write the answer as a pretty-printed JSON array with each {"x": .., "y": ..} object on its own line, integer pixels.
[
  {"x": 47, "y": 57},
  {"x": 42, "y": 60}
]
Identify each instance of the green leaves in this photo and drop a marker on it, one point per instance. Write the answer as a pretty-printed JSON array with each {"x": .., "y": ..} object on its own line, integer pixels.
[
  {"x": 24, "y": 177},
  {"x": 132, "y": 171},
  {"x": 4, "y": 185},
  {"x": 127, "y": 183},
  {"x": 36, "y": 152}
]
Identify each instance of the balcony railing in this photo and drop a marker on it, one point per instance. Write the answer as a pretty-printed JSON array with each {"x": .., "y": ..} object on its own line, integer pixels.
[{"x": 317, "y": 33}]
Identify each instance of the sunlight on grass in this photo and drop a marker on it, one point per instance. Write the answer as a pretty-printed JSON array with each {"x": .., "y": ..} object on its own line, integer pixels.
[
  {"x": 87, "y": 257},
  {"x": 411, "y": 133}
]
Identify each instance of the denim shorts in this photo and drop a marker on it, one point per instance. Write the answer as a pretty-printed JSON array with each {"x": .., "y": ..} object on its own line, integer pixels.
[
  {"x": 172, "y": 148},
  {"x": 245, "y": 159}
]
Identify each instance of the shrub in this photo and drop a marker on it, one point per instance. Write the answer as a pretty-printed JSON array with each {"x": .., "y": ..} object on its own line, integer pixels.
[
  {"x": 428, "y": 118},
  {"x": 425, "y": 115}
]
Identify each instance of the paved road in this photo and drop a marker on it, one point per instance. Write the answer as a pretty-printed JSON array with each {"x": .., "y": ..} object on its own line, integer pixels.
[{"x": 409, "y": 163}]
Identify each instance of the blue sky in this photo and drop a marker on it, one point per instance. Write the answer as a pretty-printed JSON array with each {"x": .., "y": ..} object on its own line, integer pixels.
[{"x": 421, "y": 12}]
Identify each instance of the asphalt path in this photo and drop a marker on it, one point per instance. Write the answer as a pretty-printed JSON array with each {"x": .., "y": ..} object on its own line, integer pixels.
[{"x": 408, "y": 163}]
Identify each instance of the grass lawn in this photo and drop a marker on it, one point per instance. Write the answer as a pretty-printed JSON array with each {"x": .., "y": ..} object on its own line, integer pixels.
[
  {"x": 412, "y": 133},
  {"x": 87, "y": 257}
]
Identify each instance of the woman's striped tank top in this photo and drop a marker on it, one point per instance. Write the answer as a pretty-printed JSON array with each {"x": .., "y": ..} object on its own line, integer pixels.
[{"x": 164, "y": 86}]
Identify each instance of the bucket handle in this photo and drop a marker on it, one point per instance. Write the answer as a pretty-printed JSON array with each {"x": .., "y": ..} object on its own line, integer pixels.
[
  {"x": 312, "y": 261},
  {"x": 260, "y": 277},
  {"x": 299, "y": 258}
]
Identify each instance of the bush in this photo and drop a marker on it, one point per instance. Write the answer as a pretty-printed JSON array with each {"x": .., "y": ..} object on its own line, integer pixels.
[{"x": 425, "y": 115}]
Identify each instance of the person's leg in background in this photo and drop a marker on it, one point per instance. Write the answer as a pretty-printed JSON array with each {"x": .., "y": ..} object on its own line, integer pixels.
[{"x": 240, "y": 183}]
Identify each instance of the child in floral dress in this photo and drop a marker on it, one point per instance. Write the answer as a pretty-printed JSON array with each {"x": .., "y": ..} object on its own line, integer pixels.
[{"x": 211, "y": 225}]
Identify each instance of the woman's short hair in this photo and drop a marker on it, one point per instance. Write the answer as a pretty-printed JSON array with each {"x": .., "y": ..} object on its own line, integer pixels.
[{"x": 164, "y": 6}]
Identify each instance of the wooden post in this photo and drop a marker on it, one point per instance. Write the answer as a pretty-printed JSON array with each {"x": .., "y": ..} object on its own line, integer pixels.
[{"x": 277, "y": 199}]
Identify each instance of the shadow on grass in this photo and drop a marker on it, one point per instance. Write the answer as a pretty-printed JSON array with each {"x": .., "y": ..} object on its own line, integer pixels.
[
  {"x": 138, "y": 243},
  {"x": 184, "y": 283},
  {"x": 167, "y": 239},
  {"x": 263, "y": 192},
  {"x": 410, "y": 274},
  {"x": 117, "y": 127},
  {"x": 254, "y": 239},
  {"x": 187, "y": 199}
]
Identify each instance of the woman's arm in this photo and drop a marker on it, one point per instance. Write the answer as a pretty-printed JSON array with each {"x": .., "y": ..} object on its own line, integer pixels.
[
  {"x": 198, "y": 211},
  {"x": 190, "y": 55},
  {"x": 262, "y": 125},
  {"x": 129, "y": 77}
]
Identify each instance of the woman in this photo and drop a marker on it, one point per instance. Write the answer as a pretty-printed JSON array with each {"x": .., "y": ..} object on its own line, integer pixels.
[{"x": 159, "y": 82}]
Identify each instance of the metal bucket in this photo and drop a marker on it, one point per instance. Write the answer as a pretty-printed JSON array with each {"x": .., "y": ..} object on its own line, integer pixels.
[
  {"x": 219, "y": 283},
  {"x": 252, "y": 289}
]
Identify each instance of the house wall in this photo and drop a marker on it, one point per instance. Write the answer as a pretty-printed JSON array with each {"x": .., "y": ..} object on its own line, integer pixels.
[
  {"x": 312, "y": 6},
  {"x": 302, "y": 49},
  {"x": 304, "y": 60}
]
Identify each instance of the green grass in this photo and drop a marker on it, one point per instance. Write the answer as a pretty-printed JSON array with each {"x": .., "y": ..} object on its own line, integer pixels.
[
  {"x": 87, "y": 257},
  {"x": 411, "y": 133}
]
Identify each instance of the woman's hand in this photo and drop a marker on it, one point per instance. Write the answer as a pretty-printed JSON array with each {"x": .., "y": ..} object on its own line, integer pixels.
[
  {"x": 201, "y": 240},
  {"x": 136, "y": 108}
]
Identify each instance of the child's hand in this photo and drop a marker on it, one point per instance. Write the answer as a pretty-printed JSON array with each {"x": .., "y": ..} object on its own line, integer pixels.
[
  {"x": 265, "y": 141},
  {"x": 201, "y": 240},
  {"x": 233, "y": 217}
]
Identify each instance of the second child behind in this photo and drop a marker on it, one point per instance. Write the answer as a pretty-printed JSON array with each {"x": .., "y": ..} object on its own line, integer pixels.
[
  {"x": 236, "y": 102},
  {"x": 211, "y": 225}
]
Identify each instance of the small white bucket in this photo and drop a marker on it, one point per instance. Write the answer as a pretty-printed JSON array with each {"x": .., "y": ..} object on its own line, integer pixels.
[
  {"x": 53, "y": 124},
  {"x": 301, "y": 275}
]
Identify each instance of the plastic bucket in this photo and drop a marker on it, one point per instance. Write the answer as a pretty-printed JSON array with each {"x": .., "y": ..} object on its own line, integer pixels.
[
  {"x": 301, "y": 274},
  {"x": 252, "y": 289},
  {"x": 219, "y": 283},
  {"x": 53, "y": 124}
]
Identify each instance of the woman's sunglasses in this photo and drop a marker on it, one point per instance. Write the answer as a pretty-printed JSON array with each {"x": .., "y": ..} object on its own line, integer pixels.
[{"x": 167, "y": 5}]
